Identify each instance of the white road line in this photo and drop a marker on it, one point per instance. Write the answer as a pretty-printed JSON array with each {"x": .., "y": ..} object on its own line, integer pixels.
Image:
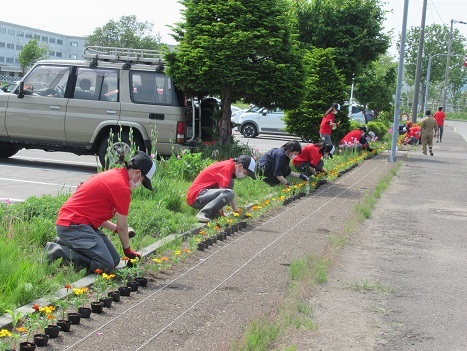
[{"x": 39, "y": 183}]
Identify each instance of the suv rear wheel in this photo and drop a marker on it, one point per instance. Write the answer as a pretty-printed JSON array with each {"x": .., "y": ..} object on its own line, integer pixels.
[
  {"x": 118, "y": 151},
  {"x": 249, "y": 130}
]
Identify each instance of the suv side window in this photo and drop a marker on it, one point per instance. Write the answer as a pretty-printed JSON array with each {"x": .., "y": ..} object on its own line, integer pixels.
[
  {"x": 96, "y": 84},
  {"x": 48, "y": 81},
  {"x": 152, "y": 88}
]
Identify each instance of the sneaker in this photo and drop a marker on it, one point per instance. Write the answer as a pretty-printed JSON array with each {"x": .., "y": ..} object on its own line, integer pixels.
[
  {"x": 431, "y": 154},
  {"x": 52, "y": 251},
  {"x": 202, "y": 218}
]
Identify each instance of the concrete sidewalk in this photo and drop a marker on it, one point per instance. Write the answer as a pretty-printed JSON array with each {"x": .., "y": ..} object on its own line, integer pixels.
[{"x": 414, "y": 245}]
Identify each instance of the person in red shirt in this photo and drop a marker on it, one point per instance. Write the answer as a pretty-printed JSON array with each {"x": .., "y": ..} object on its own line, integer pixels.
[
  {"x": 440, "y": 116},
  {"x": 91, "y": 206},
  {"x": 413, "y": 134},
  {"x": 310, "y": 160},
  {"x": 212, "y": 188},
  {"x": 327, "y": 123},
  {"x": 358, "y": 138}
]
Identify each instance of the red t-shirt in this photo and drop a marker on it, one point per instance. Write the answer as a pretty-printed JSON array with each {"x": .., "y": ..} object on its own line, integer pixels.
[
  {"x": 310, "y": 153},
  {"x": 97, "y": 199},
  {"x": 216, "y": 175},
  {"x": 352, "y": 136},
  {"x": 439, "y": 116},
  {"x": 414, "y": 132},
  {"x": 325, "y": 128}
]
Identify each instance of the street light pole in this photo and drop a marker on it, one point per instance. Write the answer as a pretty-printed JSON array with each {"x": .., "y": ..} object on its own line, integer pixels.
[{"x": 446, "y": 76}]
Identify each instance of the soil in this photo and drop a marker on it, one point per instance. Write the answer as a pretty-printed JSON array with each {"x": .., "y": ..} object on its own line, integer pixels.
[{"x": 205, "y": 302}]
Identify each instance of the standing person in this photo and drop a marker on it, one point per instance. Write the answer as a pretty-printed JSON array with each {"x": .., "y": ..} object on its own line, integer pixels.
[
  {"x": 439, "y": 116},
  {"x": 212, "y": 188},
  {"x": 428, "y": 128},
  {"x": 91, "y": 206},
  {"x": 328, "y": 124},
  {"x": 310, "y": 160},
  {"x": 274, "y": 165}
]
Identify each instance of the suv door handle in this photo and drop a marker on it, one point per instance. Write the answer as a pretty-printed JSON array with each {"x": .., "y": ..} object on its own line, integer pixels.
[
  {"x": 55, "y": 107},
  {"x": 111, "y": 112}
]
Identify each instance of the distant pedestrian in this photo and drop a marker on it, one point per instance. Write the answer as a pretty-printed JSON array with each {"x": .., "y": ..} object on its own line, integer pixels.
[
  {"x": 310, "y": 160},
  {"x": 440, "y": 116},
  {"x": 328, "y": 124},
  {"x": 274, "y": 165},
  {"x": 428, "y": 128},
  {"x": 212, "y": 189}
]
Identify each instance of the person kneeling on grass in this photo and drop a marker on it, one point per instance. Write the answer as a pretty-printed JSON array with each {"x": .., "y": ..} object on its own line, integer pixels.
[
  {"x": 92, "y": 205},
  {"x": 212, "y": 188},
  {"x": 274, "y": 165},
  {"x": 310, "y": 160}
]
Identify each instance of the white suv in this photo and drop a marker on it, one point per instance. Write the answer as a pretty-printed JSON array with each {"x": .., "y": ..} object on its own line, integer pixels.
[
  {"x": 252, "y": 123},
  {"x": 95, "y": 106}
]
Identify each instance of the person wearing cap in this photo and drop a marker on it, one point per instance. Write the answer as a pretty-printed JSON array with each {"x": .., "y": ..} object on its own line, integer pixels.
[
  {"x": 274, "y": 165},
  {"x": 310, "y": 160},
  {"x": 327, "y": 123},
  {"x": 412, "y": 136},
  {"x": 359, "y": 137},
  {"x": 439, "y": 116},
  {"x": 428, "y": 128},
  {"x": 212, "y": 189},
  {"x": 97, "y": 200}
]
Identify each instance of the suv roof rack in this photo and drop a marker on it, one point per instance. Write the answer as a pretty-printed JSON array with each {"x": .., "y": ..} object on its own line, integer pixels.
[{"x": 105, "y": 53}]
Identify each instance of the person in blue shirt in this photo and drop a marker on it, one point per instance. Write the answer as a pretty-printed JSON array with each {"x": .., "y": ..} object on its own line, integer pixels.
[{"x": 274, "y": 165}]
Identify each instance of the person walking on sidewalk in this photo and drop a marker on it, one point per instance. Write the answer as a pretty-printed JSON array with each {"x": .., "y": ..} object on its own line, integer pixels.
[
  {"x": 327, "y": 123},
  {"x": 440, "y": 116},
  {"x": 310, "y": 160},
  {"x": 274, "y": 165},
  {"x": 91, "y": 206},
  {"x": 428, "y": 128},
  {"x": 212, "y": 188}
]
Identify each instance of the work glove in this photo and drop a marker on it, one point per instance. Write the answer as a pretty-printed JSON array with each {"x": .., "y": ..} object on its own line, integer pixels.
[
  {"x": 303, "y": 177},
  {"x": 130, "y": 253}
]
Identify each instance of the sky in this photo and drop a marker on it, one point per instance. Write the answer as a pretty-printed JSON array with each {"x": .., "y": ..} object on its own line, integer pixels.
[{"x": 82, "y": 19}]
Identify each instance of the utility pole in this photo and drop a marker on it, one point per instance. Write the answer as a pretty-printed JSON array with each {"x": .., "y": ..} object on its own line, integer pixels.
[
  {"x": 448, "y": 62},
  {"x": 419, "y": 65},
  {"x": 395, "y": 124}
]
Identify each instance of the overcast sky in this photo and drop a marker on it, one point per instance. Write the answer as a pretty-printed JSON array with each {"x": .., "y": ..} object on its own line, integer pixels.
[{"x": 82, "y": 17}]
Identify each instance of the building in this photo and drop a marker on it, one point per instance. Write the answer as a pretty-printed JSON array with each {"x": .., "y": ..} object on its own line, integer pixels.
[{"x": 14, "y": 37}]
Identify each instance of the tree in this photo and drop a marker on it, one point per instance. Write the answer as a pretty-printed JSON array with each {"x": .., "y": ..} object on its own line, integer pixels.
[
  {"x": 434, "y": 35},
  {"x": 237, "y": 49},
  {"x": 352, "y": 27},
  {"x": 324, "y": 85},
  {"x": 127, "y": 32},
  {"x": 376, "y": 86},
  {"x": 31, "y": 53}
]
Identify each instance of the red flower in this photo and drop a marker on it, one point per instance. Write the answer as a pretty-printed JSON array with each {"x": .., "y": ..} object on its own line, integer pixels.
[
  {"x": 36, "y": 307},
  {"x": 98, "y": 271}
]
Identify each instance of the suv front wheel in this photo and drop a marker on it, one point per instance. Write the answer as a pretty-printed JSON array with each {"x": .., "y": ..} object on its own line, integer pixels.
[
  {"x": 7, "y": 150},
  {"x": 119, "y": 149},
  {"x": 249, "y": 130}
]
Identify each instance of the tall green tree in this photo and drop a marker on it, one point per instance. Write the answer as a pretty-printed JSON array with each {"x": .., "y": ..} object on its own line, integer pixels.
[
  {"x": 436, "y": 42},
  {"x": 31, "y": 53},
  {"x": 375, "y": 87},
  {"x": 324, "y": 85},
  {"x": 237, "y": 49},
  {"x": 354, "y": 28},
  {"x": 127, "y": 32}
]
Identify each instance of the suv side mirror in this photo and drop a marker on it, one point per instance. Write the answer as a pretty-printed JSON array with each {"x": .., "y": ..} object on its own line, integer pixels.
[{"x": 21, "y": 90}]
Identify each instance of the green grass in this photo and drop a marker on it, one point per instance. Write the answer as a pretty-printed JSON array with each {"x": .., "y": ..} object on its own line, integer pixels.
[{"x": 366, "y": 285}]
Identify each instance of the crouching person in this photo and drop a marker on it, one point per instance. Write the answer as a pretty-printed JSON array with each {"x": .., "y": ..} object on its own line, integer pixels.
[
  {"x": 310, "y": 160},
  {"x": 91, "y": 206},
  {"x": 212, "y": 188}
]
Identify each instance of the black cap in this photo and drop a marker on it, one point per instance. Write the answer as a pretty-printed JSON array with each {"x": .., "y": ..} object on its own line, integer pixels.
[
  {"x": 248, "y": 163},
  {"x": 146, "y": 165}
]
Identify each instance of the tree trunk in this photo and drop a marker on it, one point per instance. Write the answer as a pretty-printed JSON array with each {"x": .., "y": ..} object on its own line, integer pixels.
[{"x": 225, "y": 125}]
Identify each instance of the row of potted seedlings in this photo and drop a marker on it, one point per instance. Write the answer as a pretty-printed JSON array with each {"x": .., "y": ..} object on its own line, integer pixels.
[{"x": 42, "y": 324}]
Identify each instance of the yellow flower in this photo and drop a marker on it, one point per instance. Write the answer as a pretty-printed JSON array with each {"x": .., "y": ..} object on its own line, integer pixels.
[
  {"x": 5, "y": 333},
  {"x": 178, "y": 252},
  {"x": 157, "y": 260},
  {"x": 235, "y": 214},
  {"x": 248, "y": 214}
]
